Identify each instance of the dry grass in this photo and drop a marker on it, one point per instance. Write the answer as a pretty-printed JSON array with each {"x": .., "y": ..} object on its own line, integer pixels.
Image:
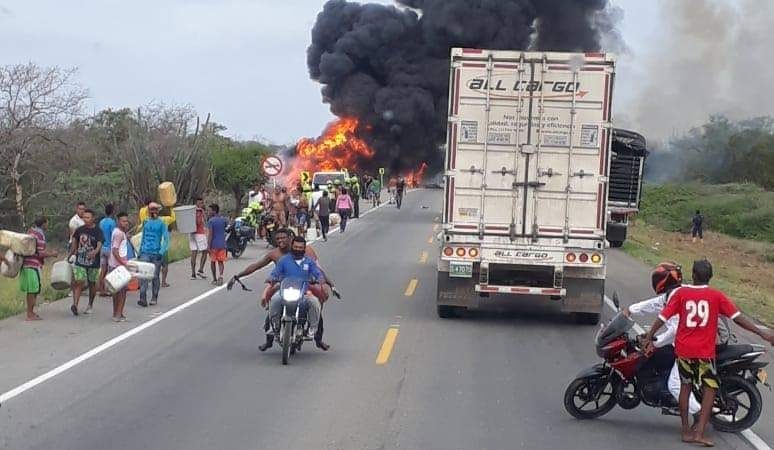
[{"x": 743, "y": 268}]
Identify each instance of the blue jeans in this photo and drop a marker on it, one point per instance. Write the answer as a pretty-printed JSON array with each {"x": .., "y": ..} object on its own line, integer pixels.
[{"x": 156, "y": 260}]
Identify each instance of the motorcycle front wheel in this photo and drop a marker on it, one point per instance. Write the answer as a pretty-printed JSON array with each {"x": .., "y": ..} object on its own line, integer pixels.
[
  {"x": 743, "y": 405},
  {"x": 286, "y": 343},
  {"x": 589, "y": 398}
]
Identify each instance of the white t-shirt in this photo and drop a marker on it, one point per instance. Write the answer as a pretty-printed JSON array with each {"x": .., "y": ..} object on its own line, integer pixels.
[
  {"x": 254, "y": 197},
  {"x": 120, "y": 242}
]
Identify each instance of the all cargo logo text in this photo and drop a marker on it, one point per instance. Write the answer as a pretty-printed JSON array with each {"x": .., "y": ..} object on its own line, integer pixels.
[
  {"x": 563, "y": 88},
  {"x": 521, "y": 254}
]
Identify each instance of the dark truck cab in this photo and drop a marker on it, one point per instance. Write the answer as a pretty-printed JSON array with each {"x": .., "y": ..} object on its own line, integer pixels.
[{"x": 628, "y": 153}]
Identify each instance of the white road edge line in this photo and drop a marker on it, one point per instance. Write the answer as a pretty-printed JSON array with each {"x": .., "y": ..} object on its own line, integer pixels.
[
  {"x": 752, "y": 438},
  {"x": 15, "y": 392}
]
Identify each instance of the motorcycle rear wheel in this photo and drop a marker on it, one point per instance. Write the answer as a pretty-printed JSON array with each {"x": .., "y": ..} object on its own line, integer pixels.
[
  {"x": 580, "y": 390},
  {"x": 286, "y": 343},
  {"x": 732, "y": 388}
]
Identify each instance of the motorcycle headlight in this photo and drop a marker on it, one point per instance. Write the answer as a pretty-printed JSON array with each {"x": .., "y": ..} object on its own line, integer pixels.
[{"x": 291, "y": 294}]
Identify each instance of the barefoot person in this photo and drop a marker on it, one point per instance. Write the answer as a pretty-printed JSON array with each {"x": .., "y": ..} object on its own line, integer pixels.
[
  {"x": 118, "y": 256},
  {"x": 197, "y": 241},
  {"x": 107, "y": 225},
  {"x": 699, "y": 308},
  {"x": 216, "y": 242},
  {"x": 29, "y": 277},
  {"x": 85, "y": 254}
]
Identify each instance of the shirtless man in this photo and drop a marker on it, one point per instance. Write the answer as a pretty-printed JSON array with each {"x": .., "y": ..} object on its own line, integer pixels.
[
  {"x": 279, "y": 207},
  {"x": 283, "y": 248}
]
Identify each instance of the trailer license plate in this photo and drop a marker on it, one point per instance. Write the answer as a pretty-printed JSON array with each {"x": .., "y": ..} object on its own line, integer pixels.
[{"x": 461, "y": 269}]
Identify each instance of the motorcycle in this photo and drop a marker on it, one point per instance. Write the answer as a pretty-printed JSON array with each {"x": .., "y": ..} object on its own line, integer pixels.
[
  {"x": 238, "y": 235},
  {"x": 293, "y": 327},
  {"x": 623, "y": 379}
]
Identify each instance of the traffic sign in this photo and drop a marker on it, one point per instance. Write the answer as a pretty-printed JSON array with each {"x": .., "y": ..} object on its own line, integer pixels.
[
  {"x": 306, "y": 177},
  {"x": 271, "y": 166},
  {"x": 381, "y": 171}
]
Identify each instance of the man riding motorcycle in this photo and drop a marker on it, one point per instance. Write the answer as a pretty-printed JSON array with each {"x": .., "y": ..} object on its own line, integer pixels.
[
  {"x": 295, "y": 264},
  {"x": 666, "y": 277},
  {"x": 283, "y": 248}
]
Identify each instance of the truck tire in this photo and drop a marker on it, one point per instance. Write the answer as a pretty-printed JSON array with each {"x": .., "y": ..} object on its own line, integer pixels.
[
  {"x": 616, "y": 244},
  {"x": 586, "y": 318},
  {"x": 446, "y": 311}
]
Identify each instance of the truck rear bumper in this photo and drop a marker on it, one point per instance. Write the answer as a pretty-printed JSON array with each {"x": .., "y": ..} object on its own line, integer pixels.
[{"x": 523, "y": 290}]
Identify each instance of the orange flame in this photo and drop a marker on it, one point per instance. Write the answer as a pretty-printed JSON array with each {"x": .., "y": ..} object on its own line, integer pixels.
[
  {"x": 414, "y": 178},
  {"x": 338, "y": 148}
]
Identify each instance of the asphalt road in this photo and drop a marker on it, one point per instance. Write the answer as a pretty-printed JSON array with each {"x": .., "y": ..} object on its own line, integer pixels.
[{"x": 493, "y": 379}]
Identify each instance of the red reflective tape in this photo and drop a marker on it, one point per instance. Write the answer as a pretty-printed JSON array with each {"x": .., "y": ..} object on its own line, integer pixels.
[
  {"x": 454, "y": 147},
  {"x": 602, "y": 152},
  {"x": 521, "y": 290},
  {"x": 599, "y": 205},
  {"x": 592, "y": 69},
  {"x": 496, "y": 228},
  {"x": 575, "y": 231},
  {"x": 552, "y": 291},
  {"x": 472, "y": 50},
  {"x": 506, "y": 66},
  {"x": 456, "y": 91},
  {"x": 558, "y": 67},
  {"x": 473, "y": 65},
  {"x": 466, "y": 227},
  {"x": 595, "y": 54},
  {"x": 607, "y": 98},
  {"x": 451, "y": 200},
  {"x": 550, "y": 230}
]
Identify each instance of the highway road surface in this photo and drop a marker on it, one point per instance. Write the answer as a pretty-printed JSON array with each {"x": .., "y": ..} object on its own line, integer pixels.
[{"x": 397, "y": 376}]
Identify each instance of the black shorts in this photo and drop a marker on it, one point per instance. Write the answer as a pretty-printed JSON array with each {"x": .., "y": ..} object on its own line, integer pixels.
[{"x": 698, "y": 372}]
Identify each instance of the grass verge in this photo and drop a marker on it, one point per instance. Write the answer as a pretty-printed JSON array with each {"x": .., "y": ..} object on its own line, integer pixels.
[
  {"x": 12, "y": 301},
  {"x": 743, "y": 268}
]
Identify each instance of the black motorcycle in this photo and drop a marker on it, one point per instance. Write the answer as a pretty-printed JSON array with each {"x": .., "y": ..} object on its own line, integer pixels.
[
  {"x": 625, "y": 378},
  {"x": 238, "y": 235}
]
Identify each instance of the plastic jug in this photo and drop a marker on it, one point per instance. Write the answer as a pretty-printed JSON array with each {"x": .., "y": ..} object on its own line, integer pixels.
[
  {"x": 136, "y": 240},
  {"x": 11, "y": 270},
  {"x": 167, "y": 194},
  {"x": 186, "y": 218},
  {"x": 141, "y": 269},
  {"x": 21, "y": 244},
  {"x": 61, "y": 275},
  {"x": 117, "y": 279}
]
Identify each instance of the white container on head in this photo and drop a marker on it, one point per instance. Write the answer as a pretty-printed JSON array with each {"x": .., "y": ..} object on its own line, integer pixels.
[
  {"x": 11, "y": 270},
  {"x": 21, "y": 244},
  {"x": 117, "y": 279},
  {"x": 186, "y": 218},
  {"x": 141, "y": 269},
  {"x": 61, "y": 275},
  {"x": 167, "y": 194}
]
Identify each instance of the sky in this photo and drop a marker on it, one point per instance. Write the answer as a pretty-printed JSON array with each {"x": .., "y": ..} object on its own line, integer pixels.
[{"x": 243, "y": 61}]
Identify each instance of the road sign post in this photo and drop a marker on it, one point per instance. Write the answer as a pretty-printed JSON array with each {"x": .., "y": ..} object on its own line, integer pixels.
[
  {"x": 271, "y": 166},
  {"x": 381, "y": 177}
]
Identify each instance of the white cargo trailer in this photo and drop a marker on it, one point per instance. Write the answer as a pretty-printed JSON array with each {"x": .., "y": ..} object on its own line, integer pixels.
[{"x": 527, "y": 160}]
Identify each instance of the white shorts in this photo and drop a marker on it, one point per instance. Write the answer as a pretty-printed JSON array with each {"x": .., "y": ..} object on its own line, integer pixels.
[{"x": 197, "y": 242}]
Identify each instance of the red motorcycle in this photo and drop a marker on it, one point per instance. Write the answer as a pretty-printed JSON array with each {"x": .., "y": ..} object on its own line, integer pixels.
[{"x": 625, "y": 379}]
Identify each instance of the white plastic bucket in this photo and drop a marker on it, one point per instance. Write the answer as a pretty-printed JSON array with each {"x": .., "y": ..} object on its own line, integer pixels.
[
  {"x": 117, "y": 279},
  {"x": 311, "y": 234},
  {"x": 61, "y": 275},
  {"x": 334, "y": 219},
  {"x": 186, "y": 218},
  {"x": 21, "y": 244},
  {"x": 141, "y": 269},
  {"x": 11, "y": 270}
]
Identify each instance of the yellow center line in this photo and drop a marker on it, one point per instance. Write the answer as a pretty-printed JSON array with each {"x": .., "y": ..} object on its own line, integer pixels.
[
  {"x": 411, "y": 287},
  {"x": 423, "y": 258},
  {"x": 387, "y": 345}
]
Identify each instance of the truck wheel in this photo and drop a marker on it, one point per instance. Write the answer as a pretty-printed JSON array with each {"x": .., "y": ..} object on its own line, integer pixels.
[
  {"x": 616, "y": 244},
  {"x": 586, "y": 318},
  {"x": 447, "y": 312}
]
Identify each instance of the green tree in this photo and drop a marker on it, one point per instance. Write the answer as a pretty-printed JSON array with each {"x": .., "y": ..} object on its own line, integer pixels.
[{"x": 236, "y": 166}]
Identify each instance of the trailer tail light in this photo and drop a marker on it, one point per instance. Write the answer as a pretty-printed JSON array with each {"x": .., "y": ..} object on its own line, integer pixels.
[
  {"x": 596, "y": 258},
  {"x": 583, "y": 257},
  {"x": 448, "y": 251},
  {"x": 461, "y": 252},
  {"x": 473, "y": 252},
  {"x": 571, "y": 257}
]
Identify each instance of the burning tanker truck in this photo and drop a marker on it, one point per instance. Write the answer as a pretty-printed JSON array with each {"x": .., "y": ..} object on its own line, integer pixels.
[{"x": 532, "y": 165}]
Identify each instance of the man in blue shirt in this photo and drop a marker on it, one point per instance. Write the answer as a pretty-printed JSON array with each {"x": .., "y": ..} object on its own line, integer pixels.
[
  {"x": 154, "y": 245},
  {"x": 216, "y": 242},
  {"x": 294, "y": 264}
]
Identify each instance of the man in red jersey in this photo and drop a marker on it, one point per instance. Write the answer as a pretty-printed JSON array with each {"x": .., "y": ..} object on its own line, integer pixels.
[{"x": 699, "y": 307}]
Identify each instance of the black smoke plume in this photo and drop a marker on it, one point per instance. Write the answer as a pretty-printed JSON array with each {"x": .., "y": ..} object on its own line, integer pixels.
[{"x": 389, "y": 66}]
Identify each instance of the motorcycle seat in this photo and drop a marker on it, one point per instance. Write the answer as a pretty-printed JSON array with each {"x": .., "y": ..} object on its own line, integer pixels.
[{"x": 729, "y": 352}]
